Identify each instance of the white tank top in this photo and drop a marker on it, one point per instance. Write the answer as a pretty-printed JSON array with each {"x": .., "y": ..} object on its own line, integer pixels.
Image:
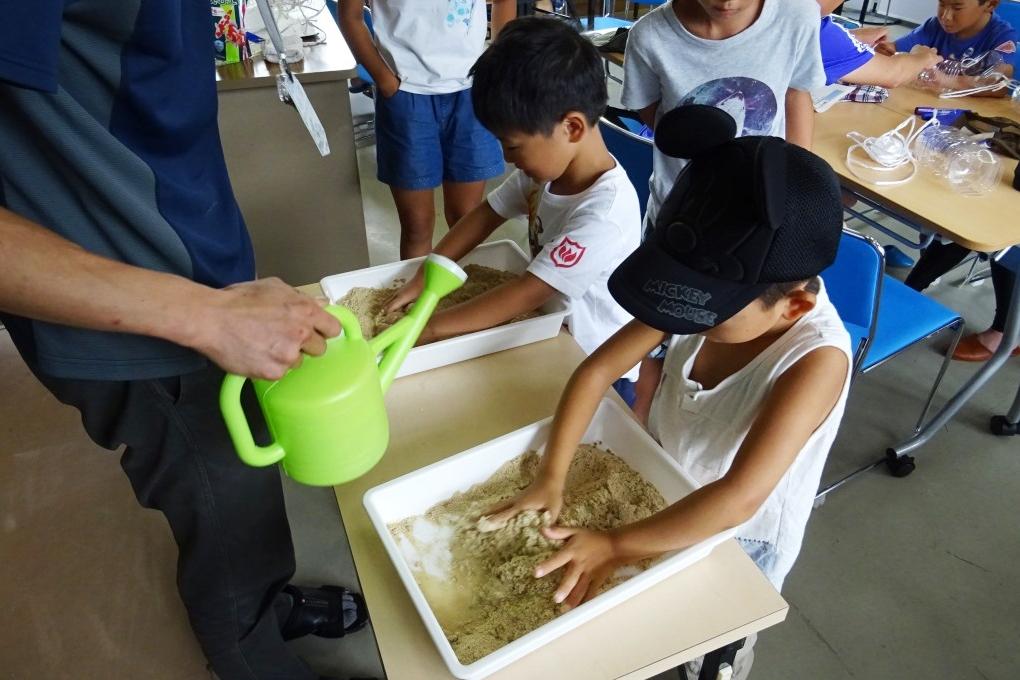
[
  {"x": 430, "y": 44},
  {"x": 703, "y": 429}
]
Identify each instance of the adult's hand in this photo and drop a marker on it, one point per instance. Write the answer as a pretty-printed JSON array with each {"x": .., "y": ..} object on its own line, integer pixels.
[{"x": 260, "y": 329}]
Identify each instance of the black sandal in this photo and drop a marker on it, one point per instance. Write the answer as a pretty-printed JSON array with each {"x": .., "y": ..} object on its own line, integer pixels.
[{"x": 323, "y": 611}]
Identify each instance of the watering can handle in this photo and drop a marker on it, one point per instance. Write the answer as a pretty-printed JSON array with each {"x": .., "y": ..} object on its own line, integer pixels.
[
  {"x": 239, "y": 430},
  {"x": 237, "y": 423}
]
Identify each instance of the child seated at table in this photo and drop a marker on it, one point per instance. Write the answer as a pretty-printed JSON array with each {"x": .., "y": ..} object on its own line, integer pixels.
[
  {"x": 962, "y": 29},
  {"x": 758, "y": 365},
  {"x": 540, "y": 88},
  {"x": 848, "y": 56}
]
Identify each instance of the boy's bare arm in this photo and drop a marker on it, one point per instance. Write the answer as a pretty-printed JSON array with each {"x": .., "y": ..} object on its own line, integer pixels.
[
  {"x": 800, "y": 118},
  {"x": 580, "y": 399},
  {"x": 257, "y": 329},
  {"x": 524, "y": 294},
  {"x": 352, "y": 25},
  {"x": 463, "y": 237},
  {"x": 798, "y": 403},
  {"x": 502, "y": 12}
]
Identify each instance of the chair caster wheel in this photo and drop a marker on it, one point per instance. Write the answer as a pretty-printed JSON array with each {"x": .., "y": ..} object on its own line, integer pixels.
[
  {"x": 899, "y": 466},
  {"x": 1002, "y": 427}
]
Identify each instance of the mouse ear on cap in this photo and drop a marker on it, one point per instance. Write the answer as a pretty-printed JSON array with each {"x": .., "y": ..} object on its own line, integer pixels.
[{"x": 688, "y": 131}]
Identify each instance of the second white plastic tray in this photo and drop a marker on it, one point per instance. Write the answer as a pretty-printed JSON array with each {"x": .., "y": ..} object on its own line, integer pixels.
[{"x": 505, "y": 255}]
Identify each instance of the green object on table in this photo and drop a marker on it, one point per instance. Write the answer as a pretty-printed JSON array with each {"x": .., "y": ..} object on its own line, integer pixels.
[{"x": 326, "y": 417}]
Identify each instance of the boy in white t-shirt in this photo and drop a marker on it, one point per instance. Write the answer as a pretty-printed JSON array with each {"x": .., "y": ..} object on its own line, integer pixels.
[
  {"x": 540, "y": 88},
  {"x": 426, "y": 133},
  {"x": 757, "y": 370},
  {"x": 755, "y": 59}
]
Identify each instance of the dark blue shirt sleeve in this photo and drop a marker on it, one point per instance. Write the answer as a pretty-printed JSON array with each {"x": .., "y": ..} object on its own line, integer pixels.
[
  {"x": 30, "y": 43},
  {"x": 841, "y": 52},
  {"x": 922, "y": 35}
]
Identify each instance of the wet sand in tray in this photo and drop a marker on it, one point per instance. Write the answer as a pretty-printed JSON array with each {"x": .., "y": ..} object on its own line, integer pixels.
[
  {"x": 480, "y": 583},
  {"x": 368, "y": 303}
]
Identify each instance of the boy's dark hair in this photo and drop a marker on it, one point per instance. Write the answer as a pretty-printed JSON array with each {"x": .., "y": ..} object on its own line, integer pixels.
[
  {"x": 777, "y": 291},
  {"x": 535, "y": 72}
]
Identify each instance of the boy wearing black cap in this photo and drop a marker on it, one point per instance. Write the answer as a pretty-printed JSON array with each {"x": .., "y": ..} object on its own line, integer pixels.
[{"x": 758, "y": 365}]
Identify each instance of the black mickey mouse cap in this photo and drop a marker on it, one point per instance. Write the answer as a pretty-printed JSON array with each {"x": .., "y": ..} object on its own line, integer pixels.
[{"x": 743, "y": 214}]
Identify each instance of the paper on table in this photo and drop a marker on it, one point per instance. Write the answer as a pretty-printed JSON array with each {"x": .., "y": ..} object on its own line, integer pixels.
[{"x": 824, "y": 97}]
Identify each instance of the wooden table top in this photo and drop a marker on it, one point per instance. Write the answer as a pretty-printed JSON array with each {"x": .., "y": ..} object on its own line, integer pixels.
[
  {"x": 985, "y": 223},
  {"x": 436, "y": 414}
]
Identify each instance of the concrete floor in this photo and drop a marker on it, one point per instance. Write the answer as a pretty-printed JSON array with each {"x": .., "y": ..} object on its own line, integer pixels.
[{"x": 898, "y": 578}]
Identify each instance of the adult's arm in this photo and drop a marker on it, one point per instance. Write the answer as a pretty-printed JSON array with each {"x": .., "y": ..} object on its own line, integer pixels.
[
  {"x": 899, "y": 69},
  {"x": 258, "y": 329}
]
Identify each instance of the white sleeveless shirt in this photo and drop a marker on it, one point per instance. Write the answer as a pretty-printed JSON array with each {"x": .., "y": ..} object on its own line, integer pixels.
[{"x": 703, "y": 429}]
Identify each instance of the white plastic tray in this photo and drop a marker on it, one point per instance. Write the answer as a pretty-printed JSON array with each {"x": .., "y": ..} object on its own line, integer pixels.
[
  {"x": 505, "y": 255},
  {"x": 416, "y": 492}
]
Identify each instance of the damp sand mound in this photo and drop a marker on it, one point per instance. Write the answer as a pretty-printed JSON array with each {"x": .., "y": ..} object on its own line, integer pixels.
[{"x": 479, "y": 579}]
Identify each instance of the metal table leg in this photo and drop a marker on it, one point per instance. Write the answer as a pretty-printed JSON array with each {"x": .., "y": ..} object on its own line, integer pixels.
[
  {"x": 1009, "y": 340},
  {"x": 716, "y": 658}
]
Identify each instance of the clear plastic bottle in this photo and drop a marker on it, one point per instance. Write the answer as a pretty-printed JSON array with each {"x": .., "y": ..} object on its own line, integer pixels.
[
  {"x": 969, "y": 167},
  {"x": 932, "y": 146},
  {"x": 973, "y": 169}
]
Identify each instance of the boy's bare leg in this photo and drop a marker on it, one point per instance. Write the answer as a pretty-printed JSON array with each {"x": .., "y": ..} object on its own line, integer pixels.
[
  {"x": 417, "y": 213},
  {"x": 460, "y": 198}
]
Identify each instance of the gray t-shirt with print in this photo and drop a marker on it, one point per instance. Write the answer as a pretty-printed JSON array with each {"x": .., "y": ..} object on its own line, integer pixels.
[{"x": 746, "y": 75}]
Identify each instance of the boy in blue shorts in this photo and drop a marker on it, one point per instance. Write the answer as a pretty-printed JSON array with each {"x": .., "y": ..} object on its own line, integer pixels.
[
  {"x": 541, "y": 88},
  {"x": 758, "y": 366},
  {"x": 961, "y": 29},
  {"x": 426, "y": 131}
]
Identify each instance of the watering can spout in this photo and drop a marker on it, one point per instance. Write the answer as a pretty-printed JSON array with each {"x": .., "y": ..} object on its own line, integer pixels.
[{"x": 442, "y": 277}]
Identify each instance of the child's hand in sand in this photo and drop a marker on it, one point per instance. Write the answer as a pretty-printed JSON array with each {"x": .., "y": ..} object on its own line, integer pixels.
[
  {"x": 543, "y": 494},
  {"x": 407, "y": 293},
  {"x": 588, "y": 559}
]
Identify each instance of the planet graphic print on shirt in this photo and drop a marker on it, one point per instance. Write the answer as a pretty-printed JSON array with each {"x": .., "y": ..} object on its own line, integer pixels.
[{"x": 751, "y": 102}]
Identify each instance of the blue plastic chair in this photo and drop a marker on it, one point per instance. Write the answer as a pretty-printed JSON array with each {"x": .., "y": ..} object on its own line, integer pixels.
[
  {"x": 602, "y": 23},
  {"x": 634, "y": 153},
  {"x": 854, "y": 284},
  {"x": 884, "y": 317}
]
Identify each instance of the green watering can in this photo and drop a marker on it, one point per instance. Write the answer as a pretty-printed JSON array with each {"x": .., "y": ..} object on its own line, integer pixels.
[{"x": 327, "y": 417}]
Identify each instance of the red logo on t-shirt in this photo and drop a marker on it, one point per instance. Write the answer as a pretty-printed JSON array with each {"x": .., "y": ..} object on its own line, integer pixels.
[
  {"x": 568, "y": 253},
  {"x": 1008, "y": 47}
]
